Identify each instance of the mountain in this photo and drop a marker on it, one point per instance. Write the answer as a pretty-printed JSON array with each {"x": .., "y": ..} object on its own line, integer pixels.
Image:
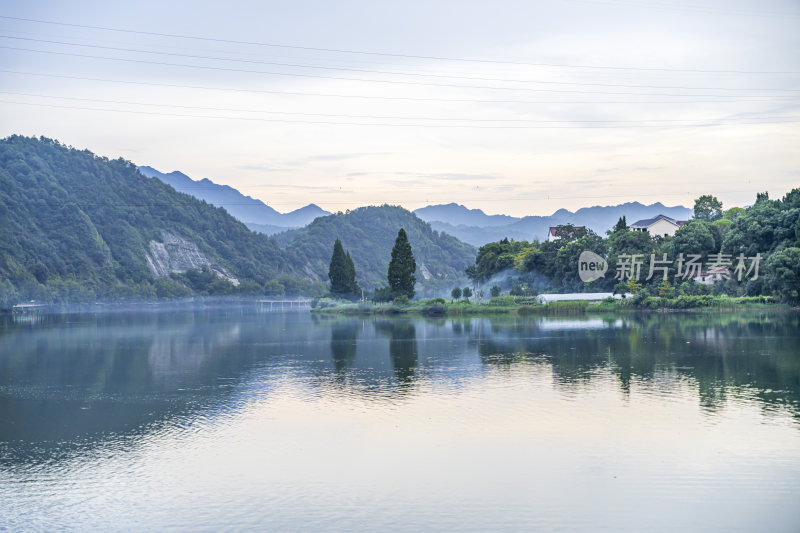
[
  {"x": 74, "y": 226},
  {"x": 458, "y": 215},
  {"x": 597, "y": 218},
  {"x": 369, "y": 234},
  {"x": 252, "y": 212},
  {"x": 302, "y": 216}
]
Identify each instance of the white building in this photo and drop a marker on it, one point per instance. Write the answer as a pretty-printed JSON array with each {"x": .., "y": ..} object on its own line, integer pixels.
[
  {"x": 661, "y": 226},
  {"x": 553, "y": 233},
  {"x": 713, "y": 275}
]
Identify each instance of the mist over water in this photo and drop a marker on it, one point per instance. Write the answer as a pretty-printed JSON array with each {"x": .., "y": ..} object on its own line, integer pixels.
[{"x": 235, "y": 417}]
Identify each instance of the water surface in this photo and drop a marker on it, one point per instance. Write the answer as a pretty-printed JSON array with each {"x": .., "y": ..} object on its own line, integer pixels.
[{"x": 233, "y": 417}]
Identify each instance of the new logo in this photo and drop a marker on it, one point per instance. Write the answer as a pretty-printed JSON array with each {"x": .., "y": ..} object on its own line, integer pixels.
[{"x": 591, "y": 266}]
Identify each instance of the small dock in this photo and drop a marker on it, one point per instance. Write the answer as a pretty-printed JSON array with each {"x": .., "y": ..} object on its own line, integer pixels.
[
  {"x": 284, "y": 305},
  {"x": 27, "y": 308}
]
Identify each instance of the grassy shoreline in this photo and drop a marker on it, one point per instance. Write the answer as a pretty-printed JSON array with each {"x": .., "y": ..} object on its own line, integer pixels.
[{"x": 507, "y": 305}]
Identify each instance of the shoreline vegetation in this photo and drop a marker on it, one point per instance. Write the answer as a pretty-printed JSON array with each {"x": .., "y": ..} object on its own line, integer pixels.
[
  {"x": 69, "y": 236},
  {"x": 433, "y": 307},
  {"x": 530, "y": 306}
]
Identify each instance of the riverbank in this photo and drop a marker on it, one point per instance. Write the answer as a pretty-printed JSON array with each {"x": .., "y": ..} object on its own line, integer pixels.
[
  {"x": 530, "y": 306},
  {"x": 201, "y": 302}
]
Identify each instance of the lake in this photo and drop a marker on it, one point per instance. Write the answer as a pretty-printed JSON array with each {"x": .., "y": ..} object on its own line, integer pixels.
[{"x": 234, "y": 417}]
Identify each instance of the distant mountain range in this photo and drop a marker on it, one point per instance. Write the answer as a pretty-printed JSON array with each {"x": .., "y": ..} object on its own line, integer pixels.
[
  {"x": 257, "y": 215},
  {"x": 475, "y": 227},
  {"x": 458, "y": 215},
  {"x": 471, "y": 226}
]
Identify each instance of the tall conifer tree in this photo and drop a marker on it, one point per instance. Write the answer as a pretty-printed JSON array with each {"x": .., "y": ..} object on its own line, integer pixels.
[
  {"x": 352, "y": 285},
  {"x": 402, "y": 267},
  {"x": 342, "y": 272}
]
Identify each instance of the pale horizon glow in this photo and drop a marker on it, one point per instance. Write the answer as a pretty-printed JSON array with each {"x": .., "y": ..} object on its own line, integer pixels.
[{"x": 702, "y": 98}]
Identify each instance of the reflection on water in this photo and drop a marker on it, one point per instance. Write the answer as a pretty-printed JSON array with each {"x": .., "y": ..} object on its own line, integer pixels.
[
  {"x": 402, "y": 347},
  {"x": 421, "y": 415},
  {"x": 343, "y": 346}
]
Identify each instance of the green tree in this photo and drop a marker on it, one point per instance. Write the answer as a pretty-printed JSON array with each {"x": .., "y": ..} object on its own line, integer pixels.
[
  {"x": 695, "y": 237},
  {"x": 621, "y": 225},
  {"x": 783, "y": 273},
  {"x": 563, "y": 269},
  {"x": 629, "y": 242},
  {"x": 495, "y": 291},
  {"x": 342, "y": 272},
  {"x": 402, "y": 267},
  {"x": 456, "y": 293},
  {"x": 665, "y": 289},
  {"x": 8, "y": 295},
  {"x": 733, "y": 213},
  {"x": 620, "y": 288},
  {"x": 467, "y": 292},
  {"x": 633, "y": 286},
  {"x": 495, "y": 257},
  {"x": 351, "y": 275},
  {"x": 337, "y": 272},
  {"x": 707, "y": 208}
]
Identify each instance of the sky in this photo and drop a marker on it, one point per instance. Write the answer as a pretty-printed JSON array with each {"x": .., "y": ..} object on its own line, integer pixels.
[{"x": 519, "y": 108}]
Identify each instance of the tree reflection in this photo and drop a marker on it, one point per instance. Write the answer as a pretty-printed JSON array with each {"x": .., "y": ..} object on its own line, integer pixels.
[
  {"x": 723, "y": 355},
  {"x": 70, "y": 378},
  {"x": 402, "y": 347},
  {"x": 343, "y": 346}
]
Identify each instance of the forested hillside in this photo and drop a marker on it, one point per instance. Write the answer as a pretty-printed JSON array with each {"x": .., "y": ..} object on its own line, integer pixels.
[
  {"x": 765, "y": 235},
  {"x": 369, "y": 234},
  {"x": 77, "y": 227}
]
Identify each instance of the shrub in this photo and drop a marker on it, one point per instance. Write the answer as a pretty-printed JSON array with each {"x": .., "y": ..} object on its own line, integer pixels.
[
  {"x": 384, "y": 294},
  {"x": 322, "y": 303},
  {"x": 502, "y": 300},
  {"x": 532, "y": 309},
  {"x": 567, "y": 307},
  {"x": 435, "y": 310},
  {"x": 401, "y": 300}
]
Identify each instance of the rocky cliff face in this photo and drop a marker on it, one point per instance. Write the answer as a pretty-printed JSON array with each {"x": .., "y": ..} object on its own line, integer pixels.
[
  {"x": 426, "y": 274},
  {"x": 177, "y": 254}
]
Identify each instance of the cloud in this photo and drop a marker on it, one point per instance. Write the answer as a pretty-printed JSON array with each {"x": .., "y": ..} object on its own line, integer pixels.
[
  {"x": 325, "y": 158},
  {"x": 457, "y": 176},
  {"x": 585, "y": 182},
  {"x": 604, "y": 171},
  {"x": 405, "y": 183},
  {"x": 265, "y": 168}
]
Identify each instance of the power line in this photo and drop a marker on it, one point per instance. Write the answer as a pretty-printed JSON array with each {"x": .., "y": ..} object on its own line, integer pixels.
[
  {"x": 366, "y": 80},
  {"x": 690, "y": 8},
  {"x": 289, "y": 121},
  {"x": 382, "y": 54},
  {"x": 378, "y": 117},
  {"x": 186, "y": 48},
  {"x": 395, "y": 73},
  {"x": 743, "y": 98}
]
